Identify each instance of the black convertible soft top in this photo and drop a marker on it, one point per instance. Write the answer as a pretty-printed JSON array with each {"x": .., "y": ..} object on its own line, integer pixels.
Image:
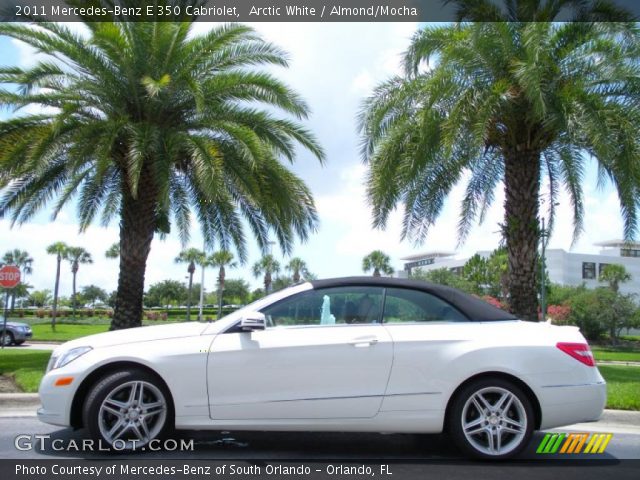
[{"x": 474, "y": 308}]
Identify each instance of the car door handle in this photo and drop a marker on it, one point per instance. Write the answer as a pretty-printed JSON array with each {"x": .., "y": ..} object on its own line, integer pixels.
[{"x": 363, "y": 342}]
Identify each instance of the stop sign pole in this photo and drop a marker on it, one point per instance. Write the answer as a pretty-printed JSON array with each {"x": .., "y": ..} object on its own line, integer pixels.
[{"x": 9, "y": 279}]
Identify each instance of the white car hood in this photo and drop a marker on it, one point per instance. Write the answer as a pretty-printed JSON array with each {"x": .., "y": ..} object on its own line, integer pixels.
[{"x": 140, "y": 334}]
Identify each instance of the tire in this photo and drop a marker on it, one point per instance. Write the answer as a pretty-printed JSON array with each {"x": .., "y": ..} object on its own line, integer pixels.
[
  {"x": 126, "y": 410},
  {"x": 6, "y": 338},
  {"x": 491, "y": 418}
]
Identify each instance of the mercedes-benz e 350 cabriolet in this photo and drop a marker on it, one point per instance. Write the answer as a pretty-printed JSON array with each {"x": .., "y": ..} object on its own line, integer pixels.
[{"x": 350, "y": 354}]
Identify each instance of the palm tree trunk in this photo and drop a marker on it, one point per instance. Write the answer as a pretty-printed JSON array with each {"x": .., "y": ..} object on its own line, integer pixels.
[
  {"x": 267, "y": 283},
  {"x": 73, "y": 302},
  {"x": 521, "y": 231},
  {"x": 137, "y": 228},
  {"x": 296, "y": 276},
  {"x": 189, "y": 295},
  {"x": 376, "y": 272},
  {"x": 221, "y": 276},
  {"x": 55, "y": 294}
]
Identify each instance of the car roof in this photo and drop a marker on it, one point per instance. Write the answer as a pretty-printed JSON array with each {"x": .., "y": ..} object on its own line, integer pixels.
[{"x": 473, "y": 307}]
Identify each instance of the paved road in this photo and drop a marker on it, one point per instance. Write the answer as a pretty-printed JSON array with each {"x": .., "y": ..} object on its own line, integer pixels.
[{"x": 34, "y": 346}]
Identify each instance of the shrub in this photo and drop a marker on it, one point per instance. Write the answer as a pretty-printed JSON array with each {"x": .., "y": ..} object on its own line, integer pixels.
[{"x": 559, "y": 314}]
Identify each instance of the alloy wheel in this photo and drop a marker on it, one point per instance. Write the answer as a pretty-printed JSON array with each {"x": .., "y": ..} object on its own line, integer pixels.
[
  {"x": 132, "y": 414},
  {"x": 494, "y": 421}
]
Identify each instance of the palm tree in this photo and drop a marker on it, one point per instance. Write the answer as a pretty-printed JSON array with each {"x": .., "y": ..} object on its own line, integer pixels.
[
  {"x": 266, "y": 266},
  {"x": 59, "y": 249},
  {"x": 150, "y": 123},
  {"x": 22, "y": 260},
  {"x": 614, "y": 275},
  {"x": 191, "y": 256},
  {"x": 76, "y": 256},
  {"x": 378, "y": 261},
  {"x": 221, "y": 259},
  {"x": 298, "y": 269},
  {"x": 113, "y": 251},
  {"x": 509, "y": 101}
]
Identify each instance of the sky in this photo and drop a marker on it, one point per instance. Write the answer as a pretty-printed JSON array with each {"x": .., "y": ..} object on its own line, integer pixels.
[{"x": 333, "y": 66}]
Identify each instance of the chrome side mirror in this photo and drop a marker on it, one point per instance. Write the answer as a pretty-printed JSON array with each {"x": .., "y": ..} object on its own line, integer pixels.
[{"x": 252, "y": 321}]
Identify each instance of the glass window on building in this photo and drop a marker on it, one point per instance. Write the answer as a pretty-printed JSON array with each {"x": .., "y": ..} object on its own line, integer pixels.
[
  {"x": 629, "y": 252},
  {"x": 588, "y": 270},
  {"x": 601, "y": 267}
]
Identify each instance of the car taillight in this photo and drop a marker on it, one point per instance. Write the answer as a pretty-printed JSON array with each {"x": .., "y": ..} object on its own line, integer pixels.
[{"x": 579, "y": 351}]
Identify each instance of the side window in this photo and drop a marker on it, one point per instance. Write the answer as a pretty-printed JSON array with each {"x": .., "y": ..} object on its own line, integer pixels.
[
  {"x": 409, "y": 306},
  {"x": 329, "y": 306}
]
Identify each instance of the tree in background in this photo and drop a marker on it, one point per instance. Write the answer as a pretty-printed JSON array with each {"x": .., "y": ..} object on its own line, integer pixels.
[
  {"x": 191, "y": 256},
  {"x": 443, "y": 276},
  {"x": 113, "y": 251},
  {"x": 614, "y": 275},
  {"x": 92, "y": 294},
  {"x": 221, "y": 259},
  {"x": 22, "y": 260},
  {"x": 298, "y": 269},
  {"x": 507, "y": 101},
  {"x": 148, "y": 122},
  {"x": 236, "y": 292},
  {"x": 602, "y": 310},
  {"x": 165, "y": 293},
  {"x": 379, "y": 262},
  {"x": 40, "y": 298},
  {"x": 267, "y": 266},
  {"x": 59, "y": 249},
  {"x": 76, "y": 256}
]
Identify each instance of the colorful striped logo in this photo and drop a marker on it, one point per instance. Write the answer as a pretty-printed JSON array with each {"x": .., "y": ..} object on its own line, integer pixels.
[{"x": 574, "y": 443}]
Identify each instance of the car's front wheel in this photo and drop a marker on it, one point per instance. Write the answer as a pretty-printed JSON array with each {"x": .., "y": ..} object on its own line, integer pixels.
[
  {"x": 6, "y": 338},
  {"x": 126, "y": 410},
  {"x": 491, "y": 419}
]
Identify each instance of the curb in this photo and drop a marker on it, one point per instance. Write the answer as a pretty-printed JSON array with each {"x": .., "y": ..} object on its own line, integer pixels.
[
  {"x": 19, "y": 400},
  {"x": 617, "y": 362}
]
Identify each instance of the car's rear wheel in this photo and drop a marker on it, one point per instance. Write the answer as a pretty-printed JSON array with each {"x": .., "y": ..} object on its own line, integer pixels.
[
  {"x": 126, "y": 410},
  {"x": 6, "y": 338},
  {"x": 491, "y": 419}
]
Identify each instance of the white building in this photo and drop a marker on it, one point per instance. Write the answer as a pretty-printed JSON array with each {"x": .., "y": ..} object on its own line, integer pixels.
[{"x": 566, "y": 268}]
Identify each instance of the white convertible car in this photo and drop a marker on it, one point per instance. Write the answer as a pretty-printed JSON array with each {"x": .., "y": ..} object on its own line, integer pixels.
[{"x": 351, "y": 354}]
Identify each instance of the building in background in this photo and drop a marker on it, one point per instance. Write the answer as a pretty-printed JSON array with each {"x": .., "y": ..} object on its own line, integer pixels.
[{"x": 566, "y": 268}]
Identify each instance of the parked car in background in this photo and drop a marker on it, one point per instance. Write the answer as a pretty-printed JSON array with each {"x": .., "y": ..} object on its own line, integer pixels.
[
  {"x": 16, "y": 333},
  {"x": 358, "y": 354}
]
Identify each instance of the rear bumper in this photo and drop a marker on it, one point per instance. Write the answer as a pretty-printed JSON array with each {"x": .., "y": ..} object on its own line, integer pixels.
[{"x": 568, "y": 404}]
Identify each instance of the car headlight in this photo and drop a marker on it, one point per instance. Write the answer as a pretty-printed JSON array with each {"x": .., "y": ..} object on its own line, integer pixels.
[{"x": 57, "y": 361}]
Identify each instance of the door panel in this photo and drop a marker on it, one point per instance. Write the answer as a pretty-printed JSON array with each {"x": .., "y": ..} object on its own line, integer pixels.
[{"x": 319, "y": 371}]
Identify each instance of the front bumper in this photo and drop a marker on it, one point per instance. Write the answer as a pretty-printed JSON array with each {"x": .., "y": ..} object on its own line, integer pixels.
[
  {"x": 57, "y": 400},
  {"x": 21, "y": 335}
]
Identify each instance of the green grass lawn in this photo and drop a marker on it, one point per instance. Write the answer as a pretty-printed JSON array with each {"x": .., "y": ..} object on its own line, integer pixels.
[
  {"x": 65, "y": 331},
  {"x": 620, "y": 354},
  {"x": 623, "y": 386},
  {"x": 25, "y": 366}
]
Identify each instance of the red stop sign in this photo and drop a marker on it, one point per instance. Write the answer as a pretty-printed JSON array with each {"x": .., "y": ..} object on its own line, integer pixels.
[{"x": 9, "y": 276}]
